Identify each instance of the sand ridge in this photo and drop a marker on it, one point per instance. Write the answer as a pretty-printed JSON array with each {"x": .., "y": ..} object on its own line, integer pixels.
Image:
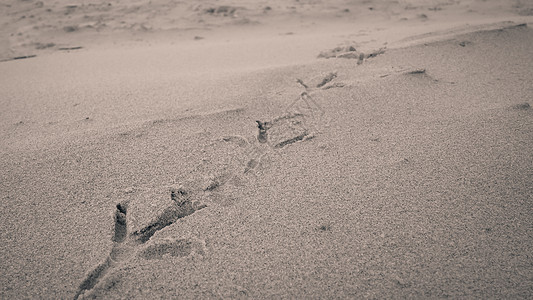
[{"x": 34, "y": 27}]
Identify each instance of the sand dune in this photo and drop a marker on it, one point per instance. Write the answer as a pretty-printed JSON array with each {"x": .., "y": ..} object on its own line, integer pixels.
[{"x": 270, "y": 149}]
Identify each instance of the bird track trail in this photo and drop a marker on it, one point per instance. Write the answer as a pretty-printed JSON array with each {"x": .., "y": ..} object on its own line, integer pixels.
[
  {"x": 273, "y": 135},
  {"x": 126, "y": 245}
]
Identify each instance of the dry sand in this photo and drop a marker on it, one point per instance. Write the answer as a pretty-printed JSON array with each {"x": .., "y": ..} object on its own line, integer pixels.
[{"x": 167, "y": 150}]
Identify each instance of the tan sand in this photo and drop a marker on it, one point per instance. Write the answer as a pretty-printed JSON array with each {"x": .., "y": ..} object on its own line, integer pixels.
[{"x": 175, "y": 155}]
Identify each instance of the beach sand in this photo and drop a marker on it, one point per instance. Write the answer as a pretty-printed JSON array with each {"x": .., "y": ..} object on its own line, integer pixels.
[{"x": 274, "y": 149}]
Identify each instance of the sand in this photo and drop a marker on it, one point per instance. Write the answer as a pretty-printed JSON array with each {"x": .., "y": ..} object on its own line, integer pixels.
[{"x": 306, "y": 149}]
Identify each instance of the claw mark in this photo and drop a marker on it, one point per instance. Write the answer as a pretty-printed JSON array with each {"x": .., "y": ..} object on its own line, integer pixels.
[
  {"x": 302, "y": 83},
  {"x": 291, "y": 141},
  {"x": 179, "y": 196},
  {"x": 183, "y": 207},
  {"x": 263, "y": 127},
  {"x": 120, "y": 224},
  {"x": 327, "y": 79}
]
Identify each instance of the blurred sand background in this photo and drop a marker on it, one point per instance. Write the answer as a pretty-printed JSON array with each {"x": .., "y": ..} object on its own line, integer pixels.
[{"x": 131, "y": 165}]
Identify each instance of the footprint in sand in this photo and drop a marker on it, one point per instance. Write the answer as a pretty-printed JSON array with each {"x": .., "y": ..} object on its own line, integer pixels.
[
  {"x": 127, "y": 243},
  {"x": 138, "y": 220},
  {"x": 224, "y": 159},
  {"x": 118, "y": 252},
  {"x": 301, "y": 121},
  {"x": 181, "y": 206}
]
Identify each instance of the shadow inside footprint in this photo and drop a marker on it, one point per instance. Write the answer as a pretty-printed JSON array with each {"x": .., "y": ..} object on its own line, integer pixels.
[
  {"x": 121, "y": 229},
  {"x": 522, "y": 106},
  {"x": 93, "y": 278},
  {"x": 168, "y": 217},
  {"x": 179, "y": 248}
]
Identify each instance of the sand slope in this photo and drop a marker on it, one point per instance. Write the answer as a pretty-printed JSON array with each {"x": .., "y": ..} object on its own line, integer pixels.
[{"x": 140, "y": 173}]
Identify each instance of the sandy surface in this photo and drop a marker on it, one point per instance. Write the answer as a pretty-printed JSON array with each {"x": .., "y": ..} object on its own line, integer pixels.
[{"x": 266, "y": 149}]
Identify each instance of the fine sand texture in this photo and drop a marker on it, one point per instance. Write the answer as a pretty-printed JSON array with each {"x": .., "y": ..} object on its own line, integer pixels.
[{"x": 267, "y": 149}]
